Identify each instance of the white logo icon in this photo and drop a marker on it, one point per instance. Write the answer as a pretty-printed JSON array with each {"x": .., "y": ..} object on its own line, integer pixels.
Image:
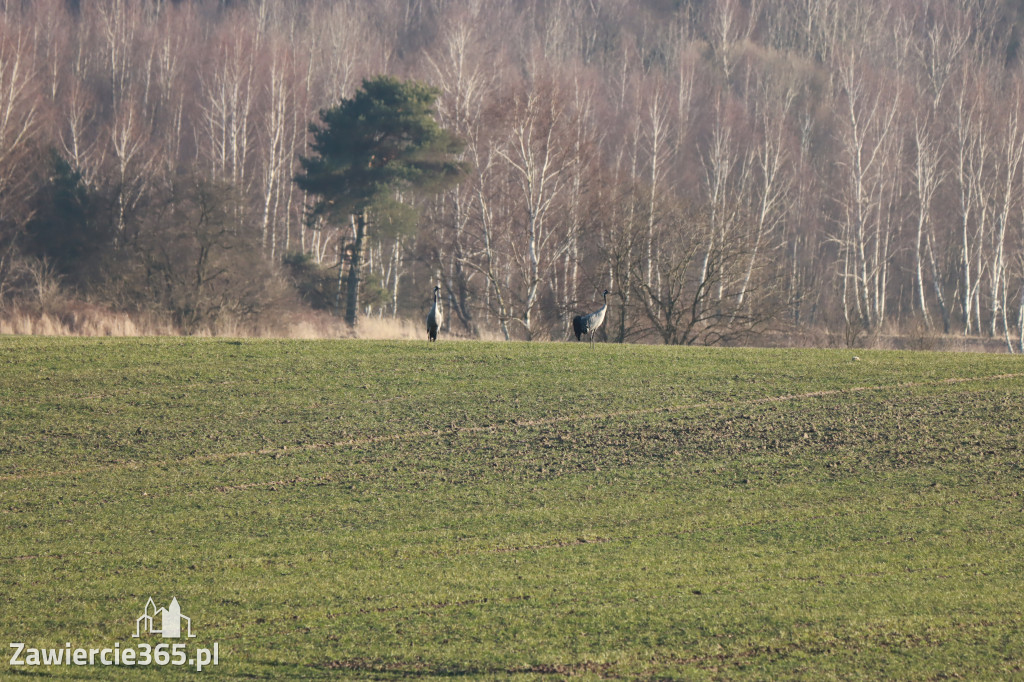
[{"x": 169, "y": 621}]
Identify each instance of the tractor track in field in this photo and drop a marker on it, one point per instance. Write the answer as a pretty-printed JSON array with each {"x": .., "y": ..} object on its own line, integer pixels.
[{"x": 509, "y": 425}]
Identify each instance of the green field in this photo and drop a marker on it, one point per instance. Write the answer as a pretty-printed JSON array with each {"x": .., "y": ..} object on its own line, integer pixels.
[{"x": 396, "y": 510}]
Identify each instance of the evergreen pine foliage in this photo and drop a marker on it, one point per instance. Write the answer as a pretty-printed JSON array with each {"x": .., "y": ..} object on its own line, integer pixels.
[{"x": 381, "y": 141}]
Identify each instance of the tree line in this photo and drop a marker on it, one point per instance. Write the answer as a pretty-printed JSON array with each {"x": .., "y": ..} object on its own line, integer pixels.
[{"x": 728, "y": 169}]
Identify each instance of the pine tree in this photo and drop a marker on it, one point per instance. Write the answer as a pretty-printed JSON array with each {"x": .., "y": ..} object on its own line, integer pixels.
[{"x": 382, "y": 143}]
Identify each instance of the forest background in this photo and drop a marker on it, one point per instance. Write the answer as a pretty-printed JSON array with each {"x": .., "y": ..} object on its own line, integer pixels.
[{"x": 736, "y": 171}]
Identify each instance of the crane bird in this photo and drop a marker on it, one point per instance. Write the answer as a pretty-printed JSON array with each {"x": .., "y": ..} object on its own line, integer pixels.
[
  {"x": 588, "y": 324},
  {"x": 435, "y": 317}
]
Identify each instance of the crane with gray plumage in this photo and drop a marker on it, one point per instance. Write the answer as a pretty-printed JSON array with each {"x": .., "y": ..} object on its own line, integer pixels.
[
  {"x": 588, "y": 324},
  {"x": 435, "y": 317}
]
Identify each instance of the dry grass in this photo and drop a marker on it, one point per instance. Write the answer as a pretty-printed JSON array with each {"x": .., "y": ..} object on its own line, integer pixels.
[
  {"x": 84, "y": 320},
  {"x": 80, "y": 319},
  {"x": 83, "y": 323},
  {"x": 388, "y": 328}
]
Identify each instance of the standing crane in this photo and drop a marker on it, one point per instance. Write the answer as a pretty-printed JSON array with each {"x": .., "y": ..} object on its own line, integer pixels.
[
  {"x": 435, "y": 317},
  {"x": 588, "y": 324}
]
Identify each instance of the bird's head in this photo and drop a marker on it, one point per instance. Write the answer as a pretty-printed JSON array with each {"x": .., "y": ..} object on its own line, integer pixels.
[
  {"x": 606, "y": 292},
  {"x": 437, "y": 288}
]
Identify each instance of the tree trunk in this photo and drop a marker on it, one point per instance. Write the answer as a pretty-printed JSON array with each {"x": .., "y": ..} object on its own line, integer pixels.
[
  {"x": 355, "y": 271},
  {"x": 937, "y": 284}
]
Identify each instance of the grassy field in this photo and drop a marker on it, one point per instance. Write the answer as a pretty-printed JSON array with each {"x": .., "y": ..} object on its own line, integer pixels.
[{"x": 395, "y": 510}]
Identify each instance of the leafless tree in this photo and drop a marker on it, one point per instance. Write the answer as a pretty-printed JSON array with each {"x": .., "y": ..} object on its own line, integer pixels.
[
  {"x": 538, "y": 158},
  {"x": 727, "y": 176},
  {"x": 928, "y": 176},
  {"x": 869, "y": 141},
  {"x": 465, "y": 83},
  {"x": 227, "y": 111},
  {"x": 19, "y": 118},
  {"x": 971, "y": 156}
]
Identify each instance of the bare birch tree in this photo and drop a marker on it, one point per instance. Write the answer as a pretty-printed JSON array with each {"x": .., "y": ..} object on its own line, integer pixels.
[
  {"x": 538, "y": 161},
  {"x": 19, "y": 118},
  {"x": 869, "y": 142}
]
